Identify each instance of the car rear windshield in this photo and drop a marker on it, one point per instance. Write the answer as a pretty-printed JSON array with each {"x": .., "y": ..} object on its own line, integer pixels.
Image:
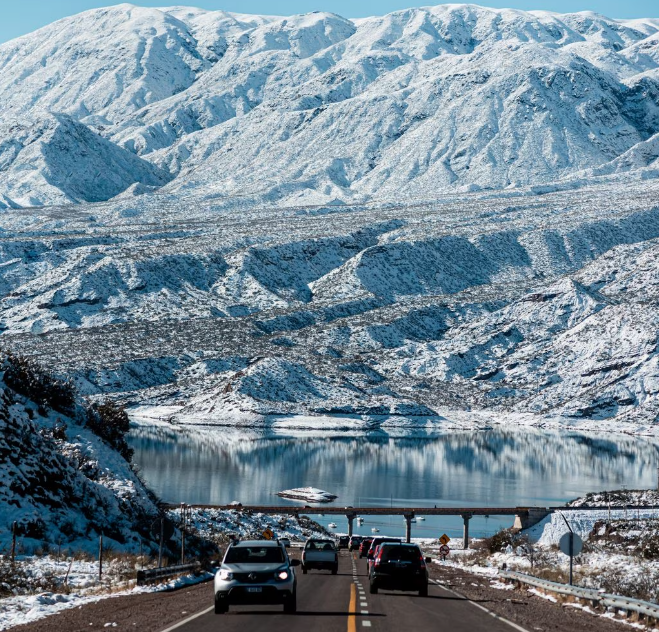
[
  {"x": 319, "y": 545},
  {"x": 254, "y": 555},
  {"x": 400, "y": 553}
]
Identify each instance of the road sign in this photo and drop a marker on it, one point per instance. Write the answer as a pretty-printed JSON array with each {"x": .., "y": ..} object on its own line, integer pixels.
[
  {"x": 564, "y": 544},
  {"x": 444, "y": 550},
  {"x": 444, "y": 540},
  {"x": 268, "y": 534}
]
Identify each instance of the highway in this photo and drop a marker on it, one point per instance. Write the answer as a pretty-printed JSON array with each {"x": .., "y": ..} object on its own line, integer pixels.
[{"x": 342, "y": 603}]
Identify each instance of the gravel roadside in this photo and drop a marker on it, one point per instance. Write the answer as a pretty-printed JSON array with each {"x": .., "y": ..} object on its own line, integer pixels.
[
  {"x": 519, "y": 606},
  {"x": 146, "y": 612}
]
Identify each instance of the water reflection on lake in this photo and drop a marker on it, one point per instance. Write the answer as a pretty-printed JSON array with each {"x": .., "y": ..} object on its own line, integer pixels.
[{"x": 515, "y": 467}]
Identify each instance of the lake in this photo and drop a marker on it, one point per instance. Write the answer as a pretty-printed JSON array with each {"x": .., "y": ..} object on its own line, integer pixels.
[{"x": 511, "y": 467}]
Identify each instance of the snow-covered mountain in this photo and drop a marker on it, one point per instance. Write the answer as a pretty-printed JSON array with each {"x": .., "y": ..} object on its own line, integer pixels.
[
  {"x": 447, "y": 208},
  {"x": 314, "y": 108},
  {"x": 59, "y": 160},
  {"x": 227, "y": 311}
]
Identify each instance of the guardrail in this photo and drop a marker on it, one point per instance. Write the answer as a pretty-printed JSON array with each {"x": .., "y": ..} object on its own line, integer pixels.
[
  {"x": 647, "y": 609},
  {"x": 153, "y": 574}
]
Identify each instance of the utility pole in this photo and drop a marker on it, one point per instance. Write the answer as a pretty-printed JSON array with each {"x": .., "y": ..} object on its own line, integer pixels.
[
  {"x": 162, "y": 536},
  {"x": 13, "y": 542},
  {"x": 182, "y": 533},
  {"x": 100, "y": 557}
]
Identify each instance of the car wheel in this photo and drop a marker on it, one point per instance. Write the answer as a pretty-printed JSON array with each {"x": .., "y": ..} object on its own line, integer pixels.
[
  {"x": 220, "y": 608},
  {"x": 335, "y": 570},
  {"x": 304, "y": 570},
  {"x": 373, "y": 587},
  {"x": 423, "y": 591},
  {"x": 290, "y": 605}
]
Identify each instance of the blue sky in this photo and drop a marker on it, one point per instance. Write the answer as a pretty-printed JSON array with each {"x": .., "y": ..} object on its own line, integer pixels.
[{"x": 22, "y": 16}]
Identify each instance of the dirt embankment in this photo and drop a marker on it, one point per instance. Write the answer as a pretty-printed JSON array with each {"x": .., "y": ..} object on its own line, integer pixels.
[{"x": 526, "y": 609}]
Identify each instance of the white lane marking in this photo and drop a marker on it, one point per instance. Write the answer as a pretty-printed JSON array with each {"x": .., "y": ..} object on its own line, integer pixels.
[
  {"x": 519, "y": 628},
  {"x": 364, "y": 612},
  {"x": 192, "y": 618},
  {"x": 366, "y": 624},
  {"x": 363, "y": 605}
]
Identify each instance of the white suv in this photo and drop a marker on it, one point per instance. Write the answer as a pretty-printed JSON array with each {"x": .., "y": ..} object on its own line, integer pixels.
[{"x": 256, "y": 572}]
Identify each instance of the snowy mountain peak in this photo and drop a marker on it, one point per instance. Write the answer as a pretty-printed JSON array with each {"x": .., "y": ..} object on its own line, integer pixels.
[{"x": 313, "y": 108}]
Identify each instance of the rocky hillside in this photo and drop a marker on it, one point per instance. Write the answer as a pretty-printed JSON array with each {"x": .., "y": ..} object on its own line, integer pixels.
[
  {"x": 63, "y": 484},
  {"x": 317, "y": 108},
  {"x": 384, "y": 220},
  {"x": 542, "y": 304}
]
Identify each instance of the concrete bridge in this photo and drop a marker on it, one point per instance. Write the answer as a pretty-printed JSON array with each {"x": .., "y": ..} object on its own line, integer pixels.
[{"x": 524, "y": 517}]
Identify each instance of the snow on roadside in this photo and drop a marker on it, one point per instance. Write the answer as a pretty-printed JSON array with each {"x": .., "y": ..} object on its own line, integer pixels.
[{"x": 83, "y": 580}]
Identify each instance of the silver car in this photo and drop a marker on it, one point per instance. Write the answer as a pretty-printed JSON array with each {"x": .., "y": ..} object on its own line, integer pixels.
[{"x": 256, "y": 572}]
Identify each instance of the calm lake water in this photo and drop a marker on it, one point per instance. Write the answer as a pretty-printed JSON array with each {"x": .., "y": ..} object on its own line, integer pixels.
[{"x": 515, "y": 467}]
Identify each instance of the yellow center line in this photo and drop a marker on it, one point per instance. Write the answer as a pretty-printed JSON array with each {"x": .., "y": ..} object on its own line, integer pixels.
[{"x": 352, "y": 622}]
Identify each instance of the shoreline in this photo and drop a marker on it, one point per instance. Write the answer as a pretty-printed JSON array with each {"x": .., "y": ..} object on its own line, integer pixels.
[{"x": 393, "y": 425}]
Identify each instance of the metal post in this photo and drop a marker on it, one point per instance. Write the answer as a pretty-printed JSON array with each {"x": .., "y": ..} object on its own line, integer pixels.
[
  {"x": 182, "y": 533},
  {"x": 162, "y": 536},
  {"x": 408, "y": 527},
  {"x": 465, "y": 533},
  {"x": 13, "y": 542},
  {"x": 100, "y": 557},
  {"x": 351, "y": 518},
  {"x": 571, "y": 543}
]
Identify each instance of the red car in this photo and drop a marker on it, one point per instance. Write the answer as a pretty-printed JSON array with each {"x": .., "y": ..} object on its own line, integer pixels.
[{"x": 365, "y": 546}]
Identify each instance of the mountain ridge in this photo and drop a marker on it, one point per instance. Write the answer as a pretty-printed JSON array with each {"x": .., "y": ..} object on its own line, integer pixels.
[{"x": 315, "y": 107}]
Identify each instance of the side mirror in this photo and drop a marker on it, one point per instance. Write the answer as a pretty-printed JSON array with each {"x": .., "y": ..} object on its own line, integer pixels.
[
  {"x": 295, "y": 562},
  {"x": 428, "y": 560}
]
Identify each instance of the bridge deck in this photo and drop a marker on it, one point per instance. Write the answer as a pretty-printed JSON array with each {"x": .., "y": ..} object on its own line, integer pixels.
[{"x": 401, "y": 511}]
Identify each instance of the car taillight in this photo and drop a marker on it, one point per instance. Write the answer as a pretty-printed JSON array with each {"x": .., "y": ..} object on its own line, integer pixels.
[{"x": 422, "y": 561}]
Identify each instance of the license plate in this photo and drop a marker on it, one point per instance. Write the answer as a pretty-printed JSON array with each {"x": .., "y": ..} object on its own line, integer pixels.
[{"x": 254, "y": 589}]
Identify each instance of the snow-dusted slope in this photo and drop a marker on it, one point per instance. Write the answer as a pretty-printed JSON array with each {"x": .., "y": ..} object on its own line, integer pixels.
[
  {"x": 61, "y": 482},
  {"x": 509, "y": 302},
  {"x": 316, "y": 107},
  {"x": 55, "y": 159}
]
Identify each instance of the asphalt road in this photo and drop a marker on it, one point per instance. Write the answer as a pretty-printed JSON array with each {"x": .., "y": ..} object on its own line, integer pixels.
[{"x": 342, "y": 603}]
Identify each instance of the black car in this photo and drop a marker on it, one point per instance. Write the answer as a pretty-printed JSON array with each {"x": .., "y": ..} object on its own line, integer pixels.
[
  {"x": 375, "y": 542},
  {"x": 343, "y": 543},
  {"x": 399, "y": 567}
]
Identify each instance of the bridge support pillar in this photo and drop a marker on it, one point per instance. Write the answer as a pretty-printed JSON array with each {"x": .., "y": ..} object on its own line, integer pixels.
[
  {"x": 408, "y": 526},
  {"x": 465, "y": 533},
  {"x": 528, "y": 517},
  {"x": 351, "y": 519}
]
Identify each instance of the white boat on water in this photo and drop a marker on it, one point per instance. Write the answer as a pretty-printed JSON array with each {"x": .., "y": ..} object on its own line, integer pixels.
[
  {"x": 309, "y": 494},
  {"x": 332, "y": 525},
  {"x": 375, "y": 530},
  {"x": 420, "y": 518},
  {"x": 360, "y": 520}
]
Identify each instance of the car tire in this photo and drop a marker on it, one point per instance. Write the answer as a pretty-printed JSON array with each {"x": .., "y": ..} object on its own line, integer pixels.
[
  {"x": 423, "y": 591},
  {"x": 305, "y": 570},
  {"x": 335, "y": 570},
  {"x": 373, "y": 587},
  {"x": 221, "y": 608},
  {"x": 290, "y": 605}
]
